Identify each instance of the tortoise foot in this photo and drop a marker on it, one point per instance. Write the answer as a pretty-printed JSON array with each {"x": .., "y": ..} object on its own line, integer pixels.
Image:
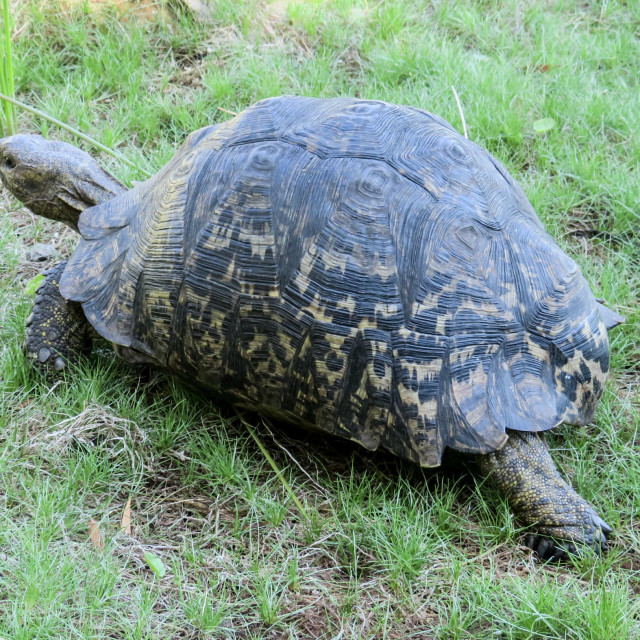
[
  {"x": 57, "y": 331},
  {"x": 564, "y": 522},
  {"x": 569, "y": 532}
]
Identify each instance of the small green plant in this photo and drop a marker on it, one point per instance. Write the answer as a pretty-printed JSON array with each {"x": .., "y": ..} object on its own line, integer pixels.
[{"x": 8, "y": 117}]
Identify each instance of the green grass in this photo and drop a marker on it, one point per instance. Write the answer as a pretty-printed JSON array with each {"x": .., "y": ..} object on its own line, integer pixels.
[
  {"x": 389, "y": 551},
  {"x": 7, "y": 112}
]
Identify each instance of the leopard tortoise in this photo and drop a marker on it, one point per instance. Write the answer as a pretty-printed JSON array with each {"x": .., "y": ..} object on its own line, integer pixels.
[{"x": 347, "y": 265}]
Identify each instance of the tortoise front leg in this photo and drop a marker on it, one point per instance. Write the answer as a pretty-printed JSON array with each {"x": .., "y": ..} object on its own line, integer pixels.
[
  {"x": 57, "y": 330},
  {"x": 525, "y": 472}
]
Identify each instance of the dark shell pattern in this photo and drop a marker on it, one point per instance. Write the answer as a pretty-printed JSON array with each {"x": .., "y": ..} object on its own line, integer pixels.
[{"x": 352, "y": 266}]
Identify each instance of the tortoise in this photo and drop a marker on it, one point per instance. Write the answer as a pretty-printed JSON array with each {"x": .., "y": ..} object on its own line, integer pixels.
[{"x": 351, "y": 266}]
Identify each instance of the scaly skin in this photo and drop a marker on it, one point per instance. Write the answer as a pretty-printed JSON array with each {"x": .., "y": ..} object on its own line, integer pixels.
[
  {"x": 54, "y": 179},
  {"x": 57, "y": 331},
  {"x": 525, "y": 472}
]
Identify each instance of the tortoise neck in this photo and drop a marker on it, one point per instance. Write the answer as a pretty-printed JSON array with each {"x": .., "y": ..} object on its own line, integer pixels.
[
  {"x": 75, "y": 192},
  {"x": 93, "y": 188}
]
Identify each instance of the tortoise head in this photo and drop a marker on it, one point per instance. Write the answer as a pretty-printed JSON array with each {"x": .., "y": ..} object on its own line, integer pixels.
[{"x": 54, "y": 179}]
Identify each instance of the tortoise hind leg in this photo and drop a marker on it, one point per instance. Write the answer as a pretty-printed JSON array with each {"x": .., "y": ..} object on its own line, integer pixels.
[
  {"x": 563, "y": 521},
  {"x": 57, "y": 330}
]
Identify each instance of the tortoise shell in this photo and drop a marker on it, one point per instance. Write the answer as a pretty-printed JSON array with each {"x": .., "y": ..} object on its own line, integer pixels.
[{"x": 352, "y": 266}]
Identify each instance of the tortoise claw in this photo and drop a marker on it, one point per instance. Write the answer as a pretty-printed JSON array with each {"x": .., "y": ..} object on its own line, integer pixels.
[
  {"x": 605, "y": 528},
  {"x": 571, "y": 532},
  {"x": 551, "y": 545}
]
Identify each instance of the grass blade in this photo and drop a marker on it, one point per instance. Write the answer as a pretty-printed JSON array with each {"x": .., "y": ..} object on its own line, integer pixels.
[
  {"x": 6, "y": 73},
  {"x": 75, "y": 132},
  {"x": 274, "y": 466}
]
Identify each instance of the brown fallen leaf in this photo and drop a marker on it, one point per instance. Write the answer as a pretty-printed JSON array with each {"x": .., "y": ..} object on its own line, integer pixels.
[
  {"x": 543, "y": 68},
  {"x": 125, "y": 523},
  {"x": 94, "y": 535}
]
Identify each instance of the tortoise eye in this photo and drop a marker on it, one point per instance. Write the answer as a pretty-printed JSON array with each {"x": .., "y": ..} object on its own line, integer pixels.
[{"x": 9, "y": 162}]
